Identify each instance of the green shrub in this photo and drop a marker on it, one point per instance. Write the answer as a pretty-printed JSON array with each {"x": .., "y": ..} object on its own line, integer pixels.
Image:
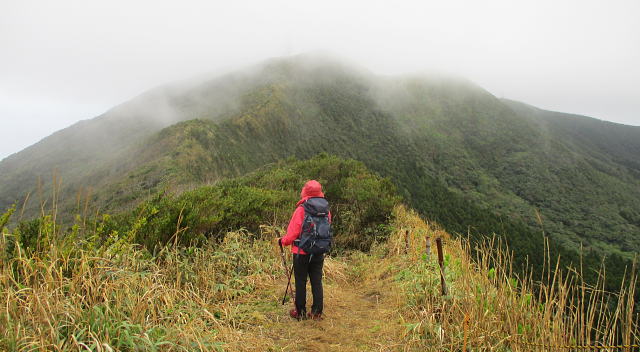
[{"x": 361, "y": 204}]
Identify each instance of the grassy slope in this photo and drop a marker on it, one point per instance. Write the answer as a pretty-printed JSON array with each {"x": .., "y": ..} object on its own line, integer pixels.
[{"x": 225, "y": 296}]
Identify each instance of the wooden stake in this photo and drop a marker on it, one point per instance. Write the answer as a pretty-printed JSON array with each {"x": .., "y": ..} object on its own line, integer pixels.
[{"x": 441, "y": 263}]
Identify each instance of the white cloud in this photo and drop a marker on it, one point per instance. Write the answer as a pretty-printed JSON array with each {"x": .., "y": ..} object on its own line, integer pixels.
[{"x": 69, "y": 59}]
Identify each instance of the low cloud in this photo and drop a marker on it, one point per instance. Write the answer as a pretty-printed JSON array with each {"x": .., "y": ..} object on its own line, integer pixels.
[{"x": 69, "y": 60}]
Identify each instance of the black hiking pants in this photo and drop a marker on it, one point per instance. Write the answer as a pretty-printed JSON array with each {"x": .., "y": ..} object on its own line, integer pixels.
[{"x": 311, "y": 266}]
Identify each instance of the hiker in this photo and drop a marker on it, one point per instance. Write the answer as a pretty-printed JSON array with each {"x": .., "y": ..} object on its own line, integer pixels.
[{"x": 309, "y": 234}]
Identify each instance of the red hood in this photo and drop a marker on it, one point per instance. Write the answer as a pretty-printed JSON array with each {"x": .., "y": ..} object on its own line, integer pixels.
[{"x": 311, "y": 189}]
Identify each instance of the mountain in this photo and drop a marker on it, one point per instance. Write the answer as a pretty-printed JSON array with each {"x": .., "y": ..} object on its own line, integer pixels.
[
  {"x": 462, "y": 157},
  {"x": 606, "y": 168}
]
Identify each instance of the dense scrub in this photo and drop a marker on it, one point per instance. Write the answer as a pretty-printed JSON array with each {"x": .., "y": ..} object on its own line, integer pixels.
[{"x": 361, "y": 203}]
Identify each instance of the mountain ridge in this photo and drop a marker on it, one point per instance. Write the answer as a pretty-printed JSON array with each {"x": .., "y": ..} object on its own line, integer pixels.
[{"x": 441, "y": 134}]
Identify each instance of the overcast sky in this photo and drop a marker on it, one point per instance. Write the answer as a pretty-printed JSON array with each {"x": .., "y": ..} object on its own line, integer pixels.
[{"x": 62, "y": 61}]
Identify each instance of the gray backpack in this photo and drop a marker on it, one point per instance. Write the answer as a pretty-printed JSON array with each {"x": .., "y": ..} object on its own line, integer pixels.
[{"x": 316, "y": 236}]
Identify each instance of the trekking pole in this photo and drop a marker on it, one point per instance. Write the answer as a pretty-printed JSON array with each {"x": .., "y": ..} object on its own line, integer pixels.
[
  {"x": 287, "y": 272},
  {"x": 284, "y": 260},
  {"x": 284, "y": 299}
]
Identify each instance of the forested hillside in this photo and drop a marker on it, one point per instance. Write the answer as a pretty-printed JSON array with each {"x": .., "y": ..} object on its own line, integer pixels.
[{"x": 472, "y": 162}]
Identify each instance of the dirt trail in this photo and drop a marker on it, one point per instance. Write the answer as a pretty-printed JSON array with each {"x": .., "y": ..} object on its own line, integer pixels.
[
  {"x": 354, "y": 321},
  {"x": 357, "y": 317}
]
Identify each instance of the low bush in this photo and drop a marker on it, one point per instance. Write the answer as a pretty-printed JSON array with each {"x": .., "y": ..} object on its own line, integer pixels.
[{"x": 361, "y": 204}]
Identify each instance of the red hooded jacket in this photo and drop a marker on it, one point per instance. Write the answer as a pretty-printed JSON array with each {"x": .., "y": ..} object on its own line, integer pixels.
[{"x": 311, "y": 189}]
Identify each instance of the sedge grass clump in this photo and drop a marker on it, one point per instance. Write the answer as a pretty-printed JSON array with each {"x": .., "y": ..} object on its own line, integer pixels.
[
  {"x": 488, "y": 305},
  {"x": 69, "y": 295}
]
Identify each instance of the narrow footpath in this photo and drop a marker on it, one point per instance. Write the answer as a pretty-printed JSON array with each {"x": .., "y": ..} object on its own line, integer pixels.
[{"x": 358, "y": 316}]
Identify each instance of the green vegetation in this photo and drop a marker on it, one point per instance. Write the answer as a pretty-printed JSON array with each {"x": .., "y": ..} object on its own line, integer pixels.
[
  {"x": 362, "y": 204},
  {"x": 473, "y": 163},
  {"x": 86, "y": 289}
]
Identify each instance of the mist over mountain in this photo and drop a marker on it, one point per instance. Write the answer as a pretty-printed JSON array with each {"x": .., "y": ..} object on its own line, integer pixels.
[{"x": 459, "y": 155}]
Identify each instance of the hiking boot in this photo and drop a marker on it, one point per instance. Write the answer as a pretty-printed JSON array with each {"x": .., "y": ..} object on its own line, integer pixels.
[
  {"x": 314, "y": 316},
  {"x": 295, "y": 314}
]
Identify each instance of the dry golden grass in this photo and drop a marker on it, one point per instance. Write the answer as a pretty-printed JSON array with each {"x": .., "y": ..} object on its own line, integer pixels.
[
  {"x": 226, "y": 296},
  {"x": 179, "y": 300},
  {"x": 488, "y": 306}
]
